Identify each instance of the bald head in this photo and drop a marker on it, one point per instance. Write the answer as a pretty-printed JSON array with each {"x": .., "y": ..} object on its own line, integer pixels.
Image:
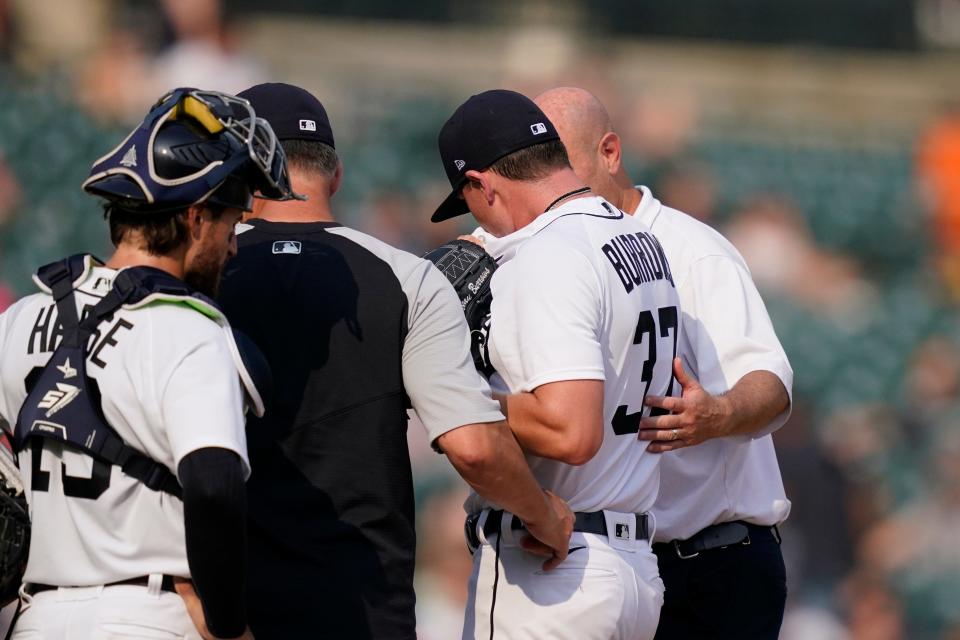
[
  {"x": 580, "y": 118},
  {"x": 593, "y": 147}
]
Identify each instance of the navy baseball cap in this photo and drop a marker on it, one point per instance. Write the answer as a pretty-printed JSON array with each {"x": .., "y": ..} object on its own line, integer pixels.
[
  {"x": 482, "y": 130},
  {"x": 293, "y": 113}
]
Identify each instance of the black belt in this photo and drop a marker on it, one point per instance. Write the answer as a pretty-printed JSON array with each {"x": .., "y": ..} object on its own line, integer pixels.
[
  {"x": 586, "y": 522},
  {"x": 717, "y": 536},
  {"x": 140, "y": 581}
]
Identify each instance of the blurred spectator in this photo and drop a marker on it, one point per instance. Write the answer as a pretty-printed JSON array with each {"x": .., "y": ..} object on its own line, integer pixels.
[
  {"x": 123, "y": 77},
  {"x": 932, "y": 385},
  {"x": 938, "y": 168},
  {"x": 431, "y": 235},
  {"x": 916, "y": 548},
  {"x": 862, "y": 439},
  {"x": 6, "y": 30},
  {"x": 9, "y": 193},
  {"x": 806, "y": 622},
  {"x": 780, "y": 250},
  {"x": 443, "y": 564},
  {"x": 390, "y": 215},
  {"x": 402, "y": 219},
  {"x": 689, "y": 186},
  {"x": 112, "y": 84},
  {"x": 816, "y": 555},
  {"x": 9, "y": 201},
  {"x": 659, "y": 126},
  {"x": 872, "y": 610},
  {"x": 205, "y": 51},
  {"x": 53, "y": 35}
]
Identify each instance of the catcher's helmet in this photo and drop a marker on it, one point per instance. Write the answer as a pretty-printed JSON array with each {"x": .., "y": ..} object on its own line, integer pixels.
[{"x": 193, "y": 146}]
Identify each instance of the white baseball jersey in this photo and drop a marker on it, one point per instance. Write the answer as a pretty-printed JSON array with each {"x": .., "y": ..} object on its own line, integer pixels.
[
  {"x": 726, "y": 334},
  {"x": 169, "y": 386},
  {"x": 585, "y": 292}
]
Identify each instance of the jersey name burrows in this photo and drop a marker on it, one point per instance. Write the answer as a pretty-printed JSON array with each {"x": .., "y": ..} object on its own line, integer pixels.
[{"x": 637, "y": 258}]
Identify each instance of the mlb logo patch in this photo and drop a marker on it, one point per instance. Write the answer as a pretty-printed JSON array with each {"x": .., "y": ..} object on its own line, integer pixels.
[
  {"x": 286, "y": 246},
  {"x": 308, "y": 125},
  {"x": 538, "y": 128},
  {"x": 622, "y": 531}
]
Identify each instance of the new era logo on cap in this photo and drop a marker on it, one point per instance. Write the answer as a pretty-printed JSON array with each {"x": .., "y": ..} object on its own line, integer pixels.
[
  {"x": 308, "y": 125},
  {"x": 488, "y": 126}
]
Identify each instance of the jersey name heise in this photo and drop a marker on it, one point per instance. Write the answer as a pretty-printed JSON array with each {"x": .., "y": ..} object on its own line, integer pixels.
[{"x": 47, "y": 332}]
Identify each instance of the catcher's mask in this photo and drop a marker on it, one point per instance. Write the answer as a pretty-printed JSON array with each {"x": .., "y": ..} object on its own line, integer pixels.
[{"x": 194, "y": 146}]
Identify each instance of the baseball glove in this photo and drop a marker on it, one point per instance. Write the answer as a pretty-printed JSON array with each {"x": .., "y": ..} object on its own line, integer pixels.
[
  {"x": 469, "y": 269},
  {"x": 14, "y": 526}
]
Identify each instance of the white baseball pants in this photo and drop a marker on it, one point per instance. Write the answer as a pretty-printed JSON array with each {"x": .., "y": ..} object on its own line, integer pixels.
[
  {"x": 104, "y": 613},
  {"x": 598, "y": 593}
]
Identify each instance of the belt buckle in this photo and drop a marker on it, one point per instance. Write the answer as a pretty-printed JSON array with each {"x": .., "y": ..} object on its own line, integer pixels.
[
  {"x": 676, "y": 547},
  {"x": 743, "y": 543}
]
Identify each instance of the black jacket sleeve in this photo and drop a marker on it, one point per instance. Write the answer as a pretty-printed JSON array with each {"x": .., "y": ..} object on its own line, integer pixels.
[{"x": 215, "y": 519}]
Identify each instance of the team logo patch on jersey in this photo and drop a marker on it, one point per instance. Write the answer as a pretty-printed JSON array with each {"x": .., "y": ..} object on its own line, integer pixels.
[
  {"x": 308, "y": 125},
  {"x": 286, "y": 246},
  {"x": 67, "y": 371},
  {"x": 538, "y": 128},
  {"x": 622, "y": 531},
  {"x": 56, "y": 399}
]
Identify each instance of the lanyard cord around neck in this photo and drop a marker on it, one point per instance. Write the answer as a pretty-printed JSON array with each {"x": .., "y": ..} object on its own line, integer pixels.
[{"x": 569, "y": 194}]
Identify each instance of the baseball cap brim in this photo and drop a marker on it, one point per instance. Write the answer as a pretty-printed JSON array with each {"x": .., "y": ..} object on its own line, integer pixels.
[{"x": 454, "y": 205}]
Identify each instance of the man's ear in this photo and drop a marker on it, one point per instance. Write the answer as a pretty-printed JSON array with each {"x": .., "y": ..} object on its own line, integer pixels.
[
  {"x": 483, "y": 180},
  {"x": 195, "y": 218},
  {"x": 609, "y": 150},
  {"x": 337, "y": 179}
]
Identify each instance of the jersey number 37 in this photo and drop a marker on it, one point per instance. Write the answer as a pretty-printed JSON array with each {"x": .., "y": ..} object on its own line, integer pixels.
[{"x": 647, "y": 333}]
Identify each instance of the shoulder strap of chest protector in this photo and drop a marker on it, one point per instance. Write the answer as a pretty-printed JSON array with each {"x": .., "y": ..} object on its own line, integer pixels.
[{"x": 62, "y": 405}]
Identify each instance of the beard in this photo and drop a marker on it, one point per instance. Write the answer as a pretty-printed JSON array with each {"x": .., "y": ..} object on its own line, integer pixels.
[{"x": 205, "y": 273}]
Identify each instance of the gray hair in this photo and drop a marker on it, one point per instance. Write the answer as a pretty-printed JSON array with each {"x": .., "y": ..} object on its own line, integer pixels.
[{"x": 312, "y": 156}]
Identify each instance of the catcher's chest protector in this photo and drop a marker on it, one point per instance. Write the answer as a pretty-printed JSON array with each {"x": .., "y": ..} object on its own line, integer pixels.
[{"x": 64, "y": 404}]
